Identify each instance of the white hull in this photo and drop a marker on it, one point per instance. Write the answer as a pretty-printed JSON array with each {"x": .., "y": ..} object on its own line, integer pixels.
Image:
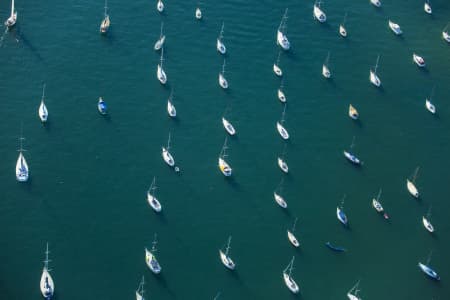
[
  {"x": 281, "y": 96},
  {"x": 279, "y": 200},
  {"x": 226, "y": 260},
  {"x": 395, "y": 28},
  {"x": 224, "y": 167},
  {"x": 342, "y": 31},
  {"x": 427, "y": 8},
  {"x": 22, "y": 171},
  {"x": 377, "y": 205},
  {"x": 277, "y": 70},
  {"x": 161, "y": 75},
  {"x": 46, "y": 284},
  {"x": 221, "y": 47},
  {"x": 427, "y": 225},
  {"x": 376, "y": 3},
  {"x": 293, "y": 239},
  {"x": 282, "y": 131},
  {"x": 222, "y": 81},
  {"x": 198, "y": 13},
  {"x": 290, "y": 283},
  {"x": 353, "y": 113},
  {"x": 419, "y": 60},
  {"x": 104, "y": 26},
  {"x": 341, "y": 216},
  {"x": 430, "y": 106},
  {"x": 412, "y": 189},
  {"x": 11, "y": 21},
  {"x": 159, "y": 43},
  {"x": 139, "y": 296},
  {"x": 283, "y": 41},
  {"x": 326, "y": 72},
  {"x": 160, "y": 6},
  {"x": 152, "y": 263},
  {"x": 319, "y": 14},
  {"x": 168, "y": 157},
  {"x": 446, "y": 36},
  {"x": 374, "y": 79},
  {"x": 171, "y": 109},
  {"x": 352, "y": 297},
  {"x": 228, "y": 127},
  {"x": 43, "y": 112},
  {"x": 154, "y": 203},
  {"x": 283, "y": 165}
]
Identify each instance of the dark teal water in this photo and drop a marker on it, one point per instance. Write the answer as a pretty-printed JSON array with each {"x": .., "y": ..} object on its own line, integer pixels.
[{"x": 89, "y": 174}]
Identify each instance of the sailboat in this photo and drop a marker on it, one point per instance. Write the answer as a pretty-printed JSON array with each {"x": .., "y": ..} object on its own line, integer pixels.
[
  {"x": 282, "y": 39},
  {"x": 150, "y": 258},
  {"x": 428, "y": 270},
  {"x": 170, "y": 107},
  {"x": 160, "y": 74},
  {"x": 140, "y": 290},
  {"x": 342, "y": 30},
  {"x": 318, "y": 13},
  {"x": 446, "y": 34},
  {"x": 220, "y": 45},
  {"x": 101, "y": 106},
  {"x": 223, "y": 165},
  {"x": 352, "y": 112},
  {"x": 395, "y": 28},
  {"x": 426, "y": 221},
  {"x": 373, "y": 75},
  {"x": 46, "y": 284},
  {"x": 22, "y": 171},
  {"x": 427, "y": 7},
  {"x": 162, "y": 38},
  {"x": 281, "y": 95},
  {"x": 160, "y": 6},
  {"x": 11, "y": 21},
  {"x": 429, "y": 105},
  {"x": 420, "y": 62},
  {"x": 281, "y": 130},
  {"x": 378, "y": 207},
  {"x": 276, "y": 68},
  {"x": 104, "y": 26},
  {"x": 222, "y": 80},
  {"x": 376, "y": 3},
  {"x": 325, "y": 70},
  {"x": 410, "y": 184},
  {"x": 276, "y": 195},
  {"x": 226, "y": 260},
  {"x": 228, "y": 127},
  {"x": 151, "y": 198},
  {"x": 288, "y": 280},
  {"x": 340, "y": 213},
  {"x": 352, "y": 294},
  {"x": 42, "y": 111},
  {"x": 291, "y": 236},
  {"x": 168, "y": 158},
  {"x": 282, "y": 163},
  {"x": 198, "y": 13},
  {"x": 350, "y": 156}
]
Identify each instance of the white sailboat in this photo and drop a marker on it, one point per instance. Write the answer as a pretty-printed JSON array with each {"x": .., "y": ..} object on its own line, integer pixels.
[
  {"x": 198, "y": 13},
  {"x": 352, "y": 112},
  {"x": 281, "y": 95},
  {"x": 395, "y": 28},
  {"x": 226, "y": 260},
  {"x": 325, "y": 69},
  {"x": 220, "y": 45},
  {"x": 376, "y": 3},
  {"x": 378, "y": 207},
  {"x": 140, "y": 290},
  {"x": 446, "y": 34},
  {"x": 373, "y": 75},
  {"x": 427, "y": 7},
  {"x": 318, "y": 13},
  {"x": 22, "y": 171},
  {"x": 426, "y": 221},
  {"x": 420, "y": 62},
  {"x": 352, "y": 294},
  {"x": 282, "y": 39},
  {"x": 224, "y": 167},
  {"x": 282, "y": 163},
  {"x": 350, "y": 156},
  {"x": 150, "y": 258},
  {"x": 160, "y": 74},
  {"x": 168, "y": 158},
  {"x": 288, "y": 280},
  {"x": 106, "y": 22},
  {"x": 277, "y": 197},
  {"x": 11, "y": 21},
  {"x": 429, "y": 105},
  {"x": 162, "y": 38},
  {"x": 342, "y": 30},
  {"x": 151, "y": 197},
  {"x": 228, "y": 127},
  {"x": 276, "y": 68},
  {"x": 281, "y": 130},
  {"x": 291, "y": 236},
  {"x": 410, "y": 184},
  {"x": 222, "y": 80},
  {"x": 342, "y": 217},
  {"x": 42, "y": 111},
  {"x": 46, "y": 284},
  {"x": 170, "y": 107},
  {"x": 160, "y": 6}
]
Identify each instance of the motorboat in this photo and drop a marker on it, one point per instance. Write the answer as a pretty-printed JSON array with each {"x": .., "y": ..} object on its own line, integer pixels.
[
  {"x": 419, "y": 60},
  {"x": 395, "y": 28}
]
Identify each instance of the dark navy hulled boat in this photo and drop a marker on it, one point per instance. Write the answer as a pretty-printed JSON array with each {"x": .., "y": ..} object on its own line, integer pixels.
[{"x": 335, "y": 248}]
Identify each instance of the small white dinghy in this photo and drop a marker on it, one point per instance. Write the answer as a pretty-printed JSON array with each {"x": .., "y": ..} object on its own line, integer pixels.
[
  {"x": 288, "y": 280},
  {"x": 374, "y": 79},
  {"x": 342, "y": 30},
  {"x": 226, "y": 260},
  {"x": 282, "y": 39},
  {"x": 395, "y": 28},
  {"x": 46, "y": 284},
  {"x": 445, "y": 34},
  {"x": 224, "y": 167},
  {"x": 427, "y": 7},
  {"x": 140, "y": 290},
  {"x": 352, "y": 294},
  {"x": 151, "y": 197},
  {"x": 168, "y": 158},
  {"x": 410, "y": 185},
  {"x": 170, "y": 107},
  {"x": 22, "y": 171},
  {"x": 325, "y": 69},
  {"x": 222, "y": 80},
  {"x": 220, "y": 45},
  {"x": 318, "y": 13},
  {"x": 291, "y": 236},
  {"x": 162, "y": 38},
  {"x": 150, "y": 258},
  {"x": 42, "y": 111},
  {"x": 420, "y": 62},
  {"x": 429, "y": 105},
  {"x": 11, "y": 21},
  {"x": 160, "y": 6},
  {"x": 160, "y": 74},
  {"x": 376, "y": 3},
  {"x": 276, "y": 69},
  {"x": 198, "y": 13}
]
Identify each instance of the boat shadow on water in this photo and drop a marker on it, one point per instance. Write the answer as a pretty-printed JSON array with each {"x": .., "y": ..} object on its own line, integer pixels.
[
  {"x": 19, "y": 37},
  {"x": 234, "y": 184},
  {"x": 163, "y": 283}
]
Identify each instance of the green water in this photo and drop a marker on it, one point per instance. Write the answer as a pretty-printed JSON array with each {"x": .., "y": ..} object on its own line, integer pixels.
[{"x": 89, "y": 174}]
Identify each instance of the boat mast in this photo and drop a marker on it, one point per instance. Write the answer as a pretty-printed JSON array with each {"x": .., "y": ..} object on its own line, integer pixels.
[
  {"x": 345, "y": 18},
  {"x": 223, "y": 67},
  {"x": 168, "y": 142},
  {"x": 291, "y": 266},
  {"x": 224, "y": 147},
  {"x": 141, "y": 288},
  {"x": 46, "y": 261},
  {"x": 221, "y": 32},
  {"x": 106, "y": 8},
  {"x": 376, "y": 65},
  {"x": 282, "y": 115},
  {"x": 152, "y": 187},
  {"x": 154, "y": 244},
  {"x": 21, "y": 138},
  {"x": 432, "y": 92},
  {"x": 355, "y": 289},
  {"x": 162, "y": 55},
  {"x": 228, "y": 246},
  {"x": 379, "y": 194},
  {"x": 415, "y": 175},
  {"x": 278, "y": 58},
  {"x": 342, "y": 201},
  {"x": 295, "y": 222},
  {"x": 353, "y": 143},
  {"x": 43, "y": 92},
  {"x": 327, "y": 59},
  {"x": 12, "y": 8},
  {"x": 283, "y": 21},
  {"x": 161, "y": 33}
]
